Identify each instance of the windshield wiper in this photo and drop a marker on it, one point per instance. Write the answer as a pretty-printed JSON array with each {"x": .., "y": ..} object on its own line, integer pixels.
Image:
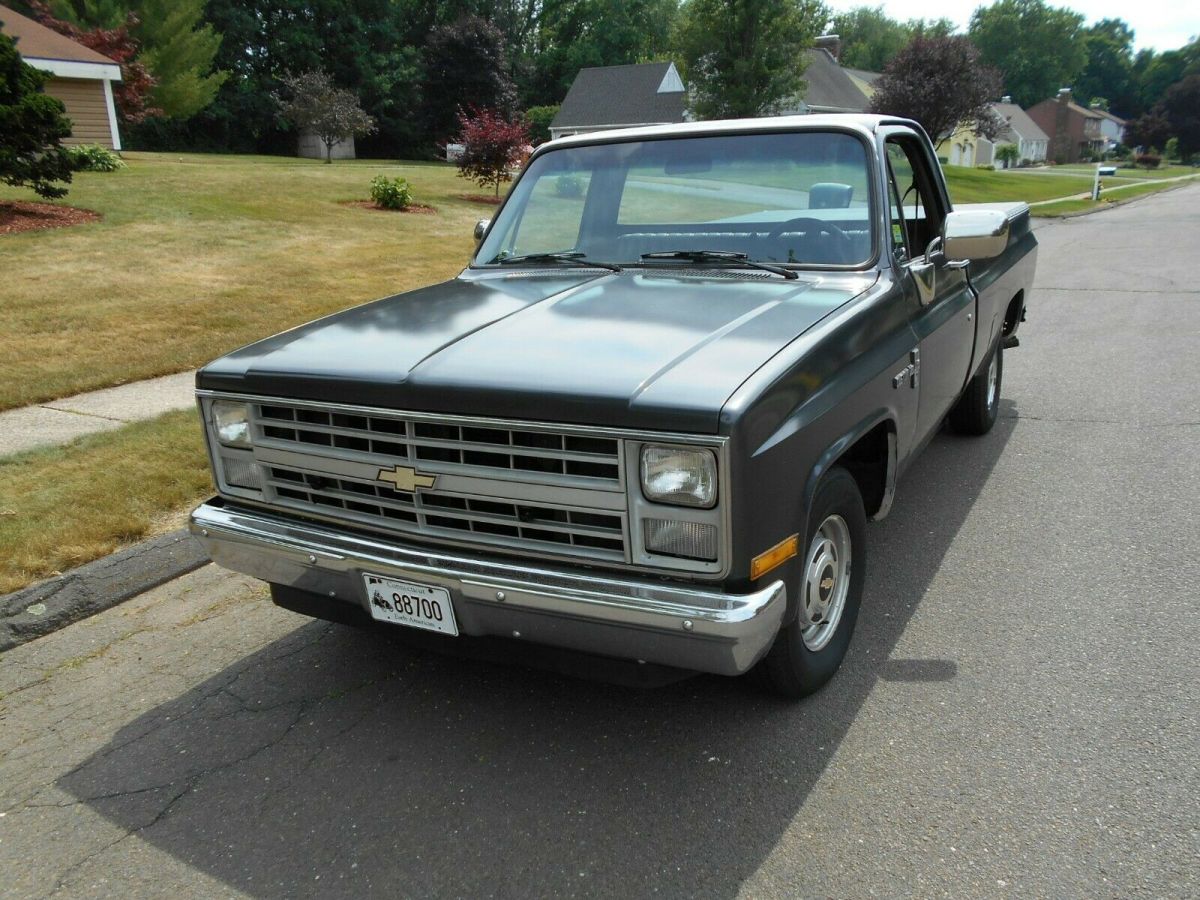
[
  {"x": 567, "y": 256},
  {"x": 701, "y": 256}
]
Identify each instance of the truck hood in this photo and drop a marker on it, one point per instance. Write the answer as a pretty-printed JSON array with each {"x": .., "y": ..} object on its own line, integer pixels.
[{"x": 659, "y": 350}]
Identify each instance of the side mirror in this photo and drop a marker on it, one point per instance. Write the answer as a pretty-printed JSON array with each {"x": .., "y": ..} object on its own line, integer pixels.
[
  {"x": 480, "y": 228},
  {"x": 974, "y": 234}
]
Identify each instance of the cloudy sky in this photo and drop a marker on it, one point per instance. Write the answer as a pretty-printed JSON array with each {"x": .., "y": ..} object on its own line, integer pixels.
[{"x": 1161, "y": 24}]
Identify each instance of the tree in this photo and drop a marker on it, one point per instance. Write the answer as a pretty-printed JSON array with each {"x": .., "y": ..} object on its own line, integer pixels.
[
  {"x": 179, "y": 49},
  {"x": 1108, "y": 72},
  {"x": 1181, "y": 106},
  {"x": 330, "y": 112},
  {"x": 1156, "y": 72},
  {"x": 1008, "y": 154},
  {"x": 177, "y": 46},
  {"x": 464, "y": 64},
  {"x": 32, "y": 126},
  {"x": 132, "y": 95},
  {"x": 941, "y": 84},
  {"x": 1148, "y": 130},
  {"x": 746, "y": 57},
  {"x": 539, "y": 119},
  {"x": 576, "y": 34},
  {"x": 870, "y": 38},
  {"x": 1037, "y": 48},
  {"x": 492, "y": 146}
]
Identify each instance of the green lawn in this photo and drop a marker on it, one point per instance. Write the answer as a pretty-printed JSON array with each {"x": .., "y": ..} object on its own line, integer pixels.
[
  {"x": 1108, "y": 197},
  {"x": 983, "y": 186},
  {"x": 1122, "y": 172},
  {"x": 199, "y": 254}
]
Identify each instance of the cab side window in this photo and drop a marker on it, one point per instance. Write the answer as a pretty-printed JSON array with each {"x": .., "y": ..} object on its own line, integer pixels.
[
  {"x": 918, "y": 203},
  {"x": 898, "y": 235}
]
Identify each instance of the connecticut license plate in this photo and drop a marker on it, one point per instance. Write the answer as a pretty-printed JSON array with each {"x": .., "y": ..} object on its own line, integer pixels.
[{"x": 415, "y": 605}]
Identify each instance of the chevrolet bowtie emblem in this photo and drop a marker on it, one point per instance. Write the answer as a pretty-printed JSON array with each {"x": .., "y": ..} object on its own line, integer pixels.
[
  {"x": 406, "y": 479},
  {"x": 826, "y": 583}
]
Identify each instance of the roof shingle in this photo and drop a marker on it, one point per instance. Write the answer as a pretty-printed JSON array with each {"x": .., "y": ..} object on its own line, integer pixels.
[{"x": 36, "y": 41}]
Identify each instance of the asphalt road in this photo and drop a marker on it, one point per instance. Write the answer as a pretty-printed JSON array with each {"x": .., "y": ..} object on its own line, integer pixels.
[{"x": 1017, "y": 716}]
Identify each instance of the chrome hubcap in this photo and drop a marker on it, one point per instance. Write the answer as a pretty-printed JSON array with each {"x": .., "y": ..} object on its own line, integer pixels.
[
  {"x": 993, "y": 370},
  {"x": 826, "y": 582}
]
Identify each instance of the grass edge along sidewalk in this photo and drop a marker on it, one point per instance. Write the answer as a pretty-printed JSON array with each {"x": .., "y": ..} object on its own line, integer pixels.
[
  {"x": 64, "y": 506},
  {"x": 1110, "y": 198}
]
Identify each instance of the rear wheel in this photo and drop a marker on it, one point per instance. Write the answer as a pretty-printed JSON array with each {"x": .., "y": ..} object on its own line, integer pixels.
[
  {"x": 807, "y": 652},
  {"x": 977, "y": 409}
]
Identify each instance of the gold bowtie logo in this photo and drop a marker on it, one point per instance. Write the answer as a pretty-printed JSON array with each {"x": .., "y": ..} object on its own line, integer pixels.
[
  {"x": 826, "y": 583},
  {"x": 406, "y": 479}
]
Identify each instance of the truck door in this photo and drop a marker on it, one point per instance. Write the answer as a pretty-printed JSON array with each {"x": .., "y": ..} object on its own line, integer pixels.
[{"x": 943, "y": 301}]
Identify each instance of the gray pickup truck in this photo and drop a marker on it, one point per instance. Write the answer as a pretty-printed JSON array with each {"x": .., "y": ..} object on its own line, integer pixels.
[{"x": 650, "y": 420}]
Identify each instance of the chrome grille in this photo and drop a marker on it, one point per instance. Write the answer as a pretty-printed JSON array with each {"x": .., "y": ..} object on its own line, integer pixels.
[
  {"x": 514, "y": 487},
  {"x": 555, "y": 529},
  {"x": 446, "y": 446}
]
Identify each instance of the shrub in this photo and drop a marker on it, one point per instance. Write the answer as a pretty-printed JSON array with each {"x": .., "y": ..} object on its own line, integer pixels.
[
  {"x": 987, "y": 167},
  {"x": 1148, "y": 160},
  {"x": 391, "y": 193},
  {"x": 492, "y": 146},
  {"x": 1171, "y": 151},
  {"x": 539, "y": 119},
  {"x": 568, "y": 186},
  {"x": 94, "y": 158}
]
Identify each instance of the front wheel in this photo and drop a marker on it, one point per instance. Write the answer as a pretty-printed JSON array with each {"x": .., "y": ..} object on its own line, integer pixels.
[
  {"x": 808, "y": 651},
  {"x": 977, "y": 409}
]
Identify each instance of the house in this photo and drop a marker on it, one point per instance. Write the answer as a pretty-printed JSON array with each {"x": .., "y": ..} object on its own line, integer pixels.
[
  {"x": 1073, "y": 130},
  {"x": 82, "y": 78},
  {"x": 828, "y": 87},
  {"x": 621, "y": 97},
  {"x": 966, "y": 147},
  {"x": 1111, "y": 127},
  {"x": 1031, "y": 142},
  {"x": 864, "y": 80}
]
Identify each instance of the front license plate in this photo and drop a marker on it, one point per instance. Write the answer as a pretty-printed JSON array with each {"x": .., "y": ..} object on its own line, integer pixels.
[{"x": 414, "y": 605}]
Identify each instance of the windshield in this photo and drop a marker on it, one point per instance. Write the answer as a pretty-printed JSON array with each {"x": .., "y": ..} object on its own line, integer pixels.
[{"x": 800, "y": 198}]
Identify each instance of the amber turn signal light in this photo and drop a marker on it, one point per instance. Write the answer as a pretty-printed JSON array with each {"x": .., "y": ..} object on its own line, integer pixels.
[{"x": 777, "y": 555}]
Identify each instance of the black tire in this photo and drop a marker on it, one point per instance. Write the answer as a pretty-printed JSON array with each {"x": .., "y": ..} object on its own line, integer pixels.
[
  {"x": 976, "y": 410},
  {"x": 792, "y": 668}
]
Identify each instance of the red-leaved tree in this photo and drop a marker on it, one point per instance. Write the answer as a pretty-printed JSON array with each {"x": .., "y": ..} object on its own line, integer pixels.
[
  {"x": 132, "y": 95},
  {"x": 939, "y": 82},
  {"x": 492, "y": 146}
]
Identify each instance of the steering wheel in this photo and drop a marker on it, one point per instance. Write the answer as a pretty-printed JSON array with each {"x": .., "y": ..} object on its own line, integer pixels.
[{"x": 809, "y": 224}]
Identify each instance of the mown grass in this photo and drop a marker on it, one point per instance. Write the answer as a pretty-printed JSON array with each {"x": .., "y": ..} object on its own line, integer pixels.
[
  {"x": 983, "y": 186},
  {"x": 1108, "y": 197},
  {"x": 199, "y": 254},
  {"x": 64, "y": 506},
  {"x": 1131, "y": 173}
]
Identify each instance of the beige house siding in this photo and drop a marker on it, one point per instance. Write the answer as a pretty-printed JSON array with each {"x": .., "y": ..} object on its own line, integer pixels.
[{"x": 86, "y": 108}]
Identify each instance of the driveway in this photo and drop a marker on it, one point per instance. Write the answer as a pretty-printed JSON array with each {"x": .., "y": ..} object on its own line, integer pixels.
[{"x": 1017, "y": 716}]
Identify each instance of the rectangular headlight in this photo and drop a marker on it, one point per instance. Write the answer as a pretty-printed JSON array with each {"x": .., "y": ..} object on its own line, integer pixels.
[
  {"x": 679, "y": 476},
  {"x": 231, "y": 422}
]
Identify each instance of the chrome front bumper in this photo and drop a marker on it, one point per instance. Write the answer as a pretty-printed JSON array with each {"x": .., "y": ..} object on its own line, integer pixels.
[{"x": 685, "y": 627}]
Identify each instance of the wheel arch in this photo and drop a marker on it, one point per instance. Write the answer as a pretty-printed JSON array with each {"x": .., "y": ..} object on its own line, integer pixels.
[{"x": 869, "y": 453}]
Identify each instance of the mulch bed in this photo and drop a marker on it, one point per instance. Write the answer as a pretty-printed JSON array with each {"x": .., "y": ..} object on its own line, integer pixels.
[
  {"x": 22, "y": 215},
  {"x": 482, "y": 198},
  {"x": 418, "y": 208}
]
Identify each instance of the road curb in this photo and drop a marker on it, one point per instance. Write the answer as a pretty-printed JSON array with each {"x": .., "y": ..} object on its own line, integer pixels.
[{"x": 57, "y": 602}]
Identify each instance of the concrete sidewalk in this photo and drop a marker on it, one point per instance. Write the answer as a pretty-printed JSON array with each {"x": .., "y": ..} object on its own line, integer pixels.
[{"x": 60, "y": 421}]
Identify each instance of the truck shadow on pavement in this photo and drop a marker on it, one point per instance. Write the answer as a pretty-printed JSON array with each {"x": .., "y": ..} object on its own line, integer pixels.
[{"x": 334, "y": 762}]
